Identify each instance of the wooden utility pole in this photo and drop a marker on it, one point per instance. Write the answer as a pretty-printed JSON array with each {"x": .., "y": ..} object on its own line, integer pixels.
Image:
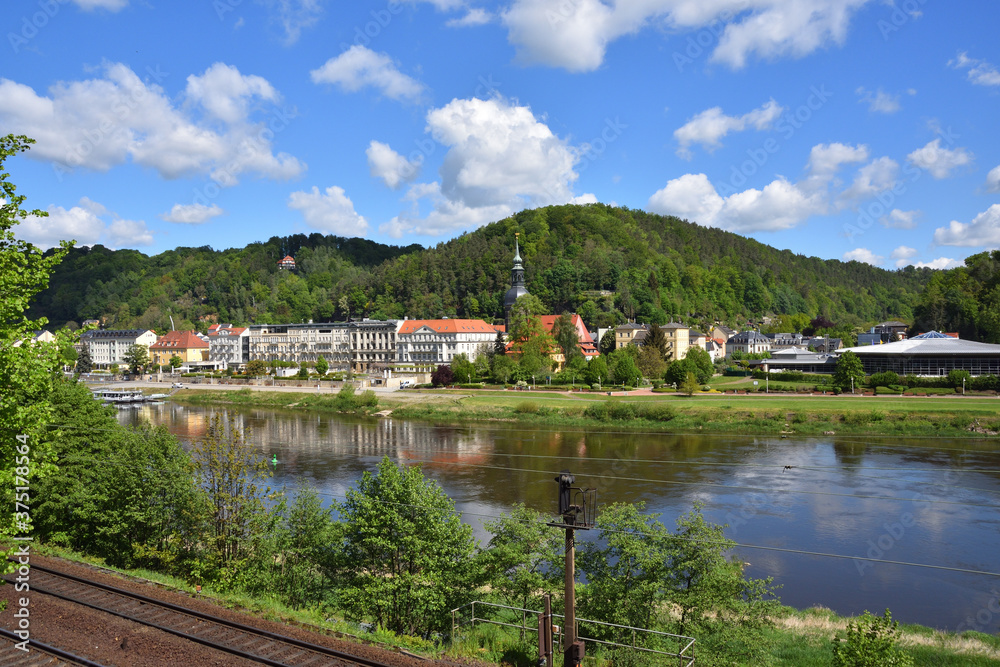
[
  {"x": 545, "y": 652},
  {"x": 574, "y": 516}
]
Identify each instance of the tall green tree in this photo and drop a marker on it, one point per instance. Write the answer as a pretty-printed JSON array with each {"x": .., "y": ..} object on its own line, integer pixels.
[
  {"x": 523, "y": 559},
  {"x": 701, "y": 363},
  {"x": 234, "y": 476},
  {"x": 322, "y": 366},
  {"x": 406, "y": 556},
  {"x": 84, "y": 364},
  {"x": 462, "y": 368},
  {"x": 567, "y": 337},
  {"x": 27, "y": 370},
  {"x": 137, "y": 358},
  {"x": 656, "y": 340},
  {"x": 849, "y": 372},
  {"x": 608, "y": 342}
]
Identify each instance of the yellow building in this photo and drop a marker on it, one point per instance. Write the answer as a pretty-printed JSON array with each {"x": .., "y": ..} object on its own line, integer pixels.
[
  {"x": 187, "y": 345},
  {"x": 678, "y": 340}
]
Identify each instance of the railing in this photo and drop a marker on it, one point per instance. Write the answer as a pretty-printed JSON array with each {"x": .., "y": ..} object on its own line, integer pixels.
[{"x": 684, "y": 644}]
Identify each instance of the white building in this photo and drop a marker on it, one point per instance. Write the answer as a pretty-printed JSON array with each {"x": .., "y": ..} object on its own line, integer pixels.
[
  {"x": 229, "y": 346},
  {"x": 748, "y": 342},
  {"x": 108, "y": 347},
  {"x": 425, "y": 342},
  {"x": 301, "y": 342}
]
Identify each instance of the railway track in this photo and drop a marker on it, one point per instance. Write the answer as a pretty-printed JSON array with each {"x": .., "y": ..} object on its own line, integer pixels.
[
  {"x": 39, "y": 655},
  {"x": 260, "y": 646}
]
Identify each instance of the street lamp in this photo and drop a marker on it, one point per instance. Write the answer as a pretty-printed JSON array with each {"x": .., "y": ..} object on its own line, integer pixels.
[
  {"x": 963, "y": 386},
  {"x": 532, "y": 381}
]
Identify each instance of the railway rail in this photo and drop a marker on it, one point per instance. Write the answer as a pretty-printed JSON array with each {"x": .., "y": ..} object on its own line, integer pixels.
[
  {"x": 39, "y": 655},
  {"x": 260, "y": 646}
]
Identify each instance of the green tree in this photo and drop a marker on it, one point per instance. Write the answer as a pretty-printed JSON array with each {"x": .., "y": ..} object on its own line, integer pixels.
[
  {"x": 690, "y": 384},
  {"x": 84, "y": 364},
  {"x": 849, "y": 372},
  {"x": 406, "y": 556},
  {"x": 522, "y": 560},
  {"x": 303, "y": 373},
  {"x": 499, "y": 344},
  {"x": 567, "y": 337},
  {"x": 122, "y": 496},
  {"x": 27, "y": 370},
  {"x": 597, "y": 371},
  {"x": 870, "y": 641},
  {"x": 959, "y": 378},
  {"x": 651, "y": 361},
  {"x": 137, "y": 358},
  {"x": 306, "y": 533},
  {"x": 443, "y": 376},
  {"x": 462, "y": 368},
  {"x": 701, "y": 363},
  {"x": 502, "y": 368},
  {"x": 678, "y": 370},
  {"x": 256, "y": 368},
  {"x": 626, "y": 371},
  {"x": 321, "y": 365},
  {"x": 608, "y": 342},
  {"x": 656, "y": 340},
  {"x": 234, "y": 476},
  {"x": 175, "y": 362}
]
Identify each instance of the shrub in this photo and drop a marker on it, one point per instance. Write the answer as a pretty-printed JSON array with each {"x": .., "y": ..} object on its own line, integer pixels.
[
  {"x": 870, "y": 642},
  {"x": 958, "y": 378},
  {"x": 883, "y": 379},
  {"x": 442, "y": 376},
  {"x": 526, "y": 408}
]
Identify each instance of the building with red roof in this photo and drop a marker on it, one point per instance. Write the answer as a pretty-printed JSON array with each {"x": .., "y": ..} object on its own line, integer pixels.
[
  {"x": 190, "y": 346},
  {"x": 432, "y": 342},
  {"x": 587, "y": 346}
]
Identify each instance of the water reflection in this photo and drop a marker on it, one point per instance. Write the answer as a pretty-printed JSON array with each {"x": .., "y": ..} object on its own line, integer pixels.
[{"x": 786, "y": 493}]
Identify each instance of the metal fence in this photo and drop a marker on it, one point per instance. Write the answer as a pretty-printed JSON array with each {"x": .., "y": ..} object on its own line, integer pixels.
[{"x": 683, "y": 654}]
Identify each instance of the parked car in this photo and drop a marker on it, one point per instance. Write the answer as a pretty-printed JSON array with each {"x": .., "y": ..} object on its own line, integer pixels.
[{"x": 178, "y": 385}]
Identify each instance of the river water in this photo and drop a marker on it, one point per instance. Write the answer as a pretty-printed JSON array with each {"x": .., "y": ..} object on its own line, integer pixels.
[{"x": 922, "y": 501}]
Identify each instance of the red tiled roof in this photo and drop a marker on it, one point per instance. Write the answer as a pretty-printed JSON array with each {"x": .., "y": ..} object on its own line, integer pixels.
[
  {"x": 448, "y": 326},
  {"x": 587, "y": 345},
  {"x": 179, "y": 340}
]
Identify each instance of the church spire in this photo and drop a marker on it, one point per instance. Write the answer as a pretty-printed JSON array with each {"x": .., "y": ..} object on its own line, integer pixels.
[{"x": 517, "y": 252}]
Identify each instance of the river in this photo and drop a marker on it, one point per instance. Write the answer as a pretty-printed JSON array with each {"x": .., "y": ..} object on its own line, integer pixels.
[{"x": 930, "y": 502}]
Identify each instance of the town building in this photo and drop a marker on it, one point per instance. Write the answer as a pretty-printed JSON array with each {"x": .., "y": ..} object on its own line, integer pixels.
[
  {"x": 228, "y": 346},
  {"x": 930, "y": 355},
  {"x": 630, "y": 333},
  {"x": 783, "y": 341},
  {"x": 191, "y": 347},
  {"x": 517, "y": 288},
  {"x": 108, "y": 347},
  {"x": 822, "y": 344},
  {"x": 306, "y": 342},
  {"x": 748, "y": 342},
  {"x": 287, "y": 263},
  {"x": 678, "y": 340},
  {"x": 433, "y": 342},
  {"x": 586, "y": 344},
  {"x": 37, "y": 336},
  {"x": 797, "y": 359},
  {"x": 373, "y": 344}
]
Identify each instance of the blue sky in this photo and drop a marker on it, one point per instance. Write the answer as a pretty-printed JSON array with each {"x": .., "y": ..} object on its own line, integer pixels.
[{"x": 846, "y": 129}]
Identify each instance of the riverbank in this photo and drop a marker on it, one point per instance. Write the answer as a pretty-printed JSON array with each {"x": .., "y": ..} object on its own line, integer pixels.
[{"x": 753, "y": 414}]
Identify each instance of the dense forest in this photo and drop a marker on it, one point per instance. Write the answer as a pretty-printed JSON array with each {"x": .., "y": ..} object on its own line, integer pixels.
[
  {"x": 606, "y": 263},
  {"x": 965, "y": 300}
]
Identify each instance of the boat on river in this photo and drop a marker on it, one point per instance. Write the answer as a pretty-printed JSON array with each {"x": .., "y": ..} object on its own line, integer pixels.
[{"x": 122, "y": 396}]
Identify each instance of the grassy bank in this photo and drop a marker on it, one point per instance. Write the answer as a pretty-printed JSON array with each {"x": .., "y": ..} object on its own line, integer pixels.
[{"x": 958, "y": 417}]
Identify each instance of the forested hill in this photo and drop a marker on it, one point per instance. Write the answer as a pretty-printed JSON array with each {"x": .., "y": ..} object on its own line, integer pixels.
[{"x": 658, "y": 268}]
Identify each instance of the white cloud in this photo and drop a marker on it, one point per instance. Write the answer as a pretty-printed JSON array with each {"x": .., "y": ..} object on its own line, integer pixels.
[
  {"x": 709, "y": 126},
  {"x": 898, "y": 219},
  {"x": 473, "y": 17},
  {"x": 499, "y": 153},
  {"x": 879, "y": 101},
  {"x": 500, "y": 159},
  {"x": 390, "y": 166},
  {"x": 360, "y": 67},
  {"x": 83, "y": 223},
  {"x": 780, "y": 205},
  {"x": 192, "y": 214},
  {"x": 862, "y": 255},
  {"x": 825, "y": 160},
  {"x": 984, "y": 230},
  {"x": 980, "y": 73},
  {"x": 331, "y": 211},
  {"x": 104, "y": 122},
  {"x": 993, "y": 180},
  {"x": 940, "y": 162},
  {"x": 575, "y": 35},
  {"x": 226, "y": 94},
  {"x": 293, "y": 16},
  {"x": 877, "y": 176},
  {"x": 110, "y": 5},
  {"x": 903, "y": 254},
  {"x": 940, "y": 263}
]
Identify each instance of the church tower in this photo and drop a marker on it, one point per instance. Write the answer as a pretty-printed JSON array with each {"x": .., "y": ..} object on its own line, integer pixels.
[{"x": 517, "y": 288}]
